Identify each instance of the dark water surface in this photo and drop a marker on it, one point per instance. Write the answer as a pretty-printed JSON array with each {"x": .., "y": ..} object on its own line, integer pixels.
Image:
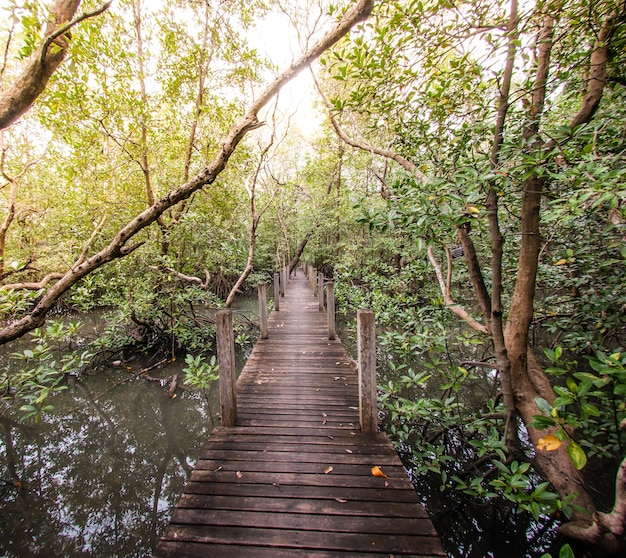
[{"x": 99, "y": 475}]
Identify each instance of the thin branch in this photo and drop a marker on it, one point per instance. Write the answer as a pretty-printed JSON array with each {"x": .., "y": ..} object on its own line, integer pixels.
[
  {"x": 94, "y": 234},
  {"x": 410, "y": 167},
  {"x": 65, "y": 28},
  {"x": 33, "y": 286},
  {"x": 449, "y": 301}
]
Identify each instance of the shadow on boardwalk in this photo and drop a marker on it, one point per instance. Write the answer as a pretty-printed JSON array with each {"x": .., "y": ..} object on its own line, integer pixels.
[{"x": 294, "y": 477}]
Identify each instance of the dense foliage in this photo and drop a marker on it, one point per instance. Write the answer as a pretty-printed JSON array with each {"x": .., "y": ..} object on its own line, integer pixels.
[{"x": 434, "y": 142}]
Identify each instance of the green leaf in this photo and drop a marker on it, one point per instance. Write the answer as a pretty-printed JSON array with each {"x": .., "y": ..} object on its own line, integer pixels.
[
  {"x": 543, "y": 405},
  {"x": 619, "y": 389},
  {"x": 577, "y": 455}
]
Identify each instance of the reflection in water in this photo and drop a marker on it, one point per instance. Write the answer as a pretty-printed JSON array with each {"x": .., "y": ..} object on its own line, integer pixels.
[{"x": 98, "y": 476}]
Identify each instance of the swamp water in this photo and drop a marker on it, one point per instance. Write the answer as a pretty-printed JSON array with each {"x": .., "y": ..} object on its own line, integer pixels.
[{"x": 100, "y": 474}]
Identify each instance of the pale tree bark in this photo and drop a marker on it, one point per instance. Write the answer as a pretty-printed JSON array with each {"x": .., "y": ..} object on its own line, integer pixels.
[
  {"x": 444, "y": 287},
  {"x": 117, "y": 247},
  {"x": 21, "y": 95},
  {"x": 144, "y": 156},
  {"x": 255, "y": 218},
  {"x": 203, "y": 63}
]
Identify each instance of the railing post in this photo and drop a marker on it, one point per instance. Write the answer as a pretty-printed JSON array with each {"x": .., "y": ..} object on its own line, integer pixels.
[
  {"x": 282, "y": 283},
  {"x": 276, "y": 292},
  {"x": 226, "y": 366},
  {"x": 263, "y": 309},
  {"x": 283, "y": 278},
  {"x": 320, "y": 290},
  {"x": 314, "y": 281},
  {"x": 366, "y": 333},
  {"x": 330, "y": 310}
]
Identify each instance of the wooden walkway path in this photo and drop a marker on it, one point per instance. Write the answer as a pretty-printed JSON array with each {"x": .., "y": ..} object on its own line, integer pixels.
[{"x": 294, "y": 477}]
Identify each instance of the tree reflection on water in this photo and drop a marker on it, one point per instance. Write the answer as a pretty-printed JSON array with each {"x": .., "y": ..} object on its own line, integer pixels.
[{"x": 98, "y": 476}]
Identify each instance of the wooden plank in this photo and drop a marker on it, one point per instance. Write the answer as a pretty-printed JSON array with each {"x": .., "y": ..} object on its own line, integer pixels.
[
  {"x": 303, "y": 540},
  {"x": 303, "y": 456},
  {"x": 308, "y": 506},
  {"x": 193, "y": 550},
  {"x": 310, "y": 522},
  {"x": 349, "y": 494}
]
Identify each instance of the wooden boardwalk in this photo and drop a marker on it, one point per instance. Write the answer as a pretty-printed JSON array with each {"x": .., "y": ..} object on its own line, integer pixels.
[{"x": 294, "y": 477}]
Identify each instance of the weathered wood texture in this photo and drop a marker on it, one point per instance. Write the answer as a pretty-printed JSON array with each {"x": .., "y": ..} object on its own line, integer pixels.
[
  {"x": 366, "y": 343},
  {"x": 330, "y": 310},
  {"x": 263, "y": 311},
  {"x": 226, "y": 363},
  {"x": 294, "y": 477}
]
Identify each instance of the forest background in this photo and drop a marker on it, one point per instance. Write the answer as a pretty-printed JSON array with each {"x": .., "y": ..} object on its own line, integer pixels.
[{"x": 465, "y": 180}]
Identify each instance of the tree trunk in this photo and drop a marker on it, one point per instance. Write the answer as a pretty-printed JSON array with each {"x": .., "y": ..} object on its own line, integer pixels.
[{"x": 296, "y": 257}]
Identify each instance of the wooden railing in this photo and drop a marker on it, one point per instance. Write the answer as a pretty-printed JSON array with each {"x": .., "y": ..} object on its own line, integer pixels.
[{"x": 323, "y": 289}]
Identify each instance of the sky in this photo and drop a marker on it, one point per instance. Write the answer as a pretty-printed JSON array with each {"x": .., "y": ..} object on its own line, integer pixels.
[{"x": 276, "y": 38}]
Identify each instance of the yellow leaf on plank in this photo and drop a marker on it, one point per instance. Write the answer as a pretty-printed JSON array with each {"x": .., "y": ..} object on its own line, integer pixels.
[
  {"x": 328, "y": 470},
  {"x": 549, "y": 443},
  {"x": 378, "y": 472}
]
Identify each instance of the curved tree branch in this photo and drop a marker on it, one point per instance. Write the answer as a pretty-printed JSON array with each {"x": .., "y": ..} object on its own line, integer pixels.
[
  {"x": 447, "y": 298},
  {"x": 65, "y": 28}
]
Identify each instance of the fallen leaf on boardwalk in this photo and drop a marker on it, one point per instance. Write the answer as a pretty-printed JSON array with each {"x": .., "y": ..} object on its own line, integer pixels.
[
  {"x": 386, "y": 484},
  {"x": 324, "y": 415},
  {"x": 549, "y": 443},
  {"x": 336, "y": 378},
  {"x": 328, "y": 469},
  {"x": 331, "y": 437},
  {"x": 378, "y": 472},
  {"x": 218, "y": 469},
  {"x": 341, "y": 500},
  {"x": 239, "y": 474},
  {"x": 324, "y": 422},
  {"x": 348, "y": 451}
]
